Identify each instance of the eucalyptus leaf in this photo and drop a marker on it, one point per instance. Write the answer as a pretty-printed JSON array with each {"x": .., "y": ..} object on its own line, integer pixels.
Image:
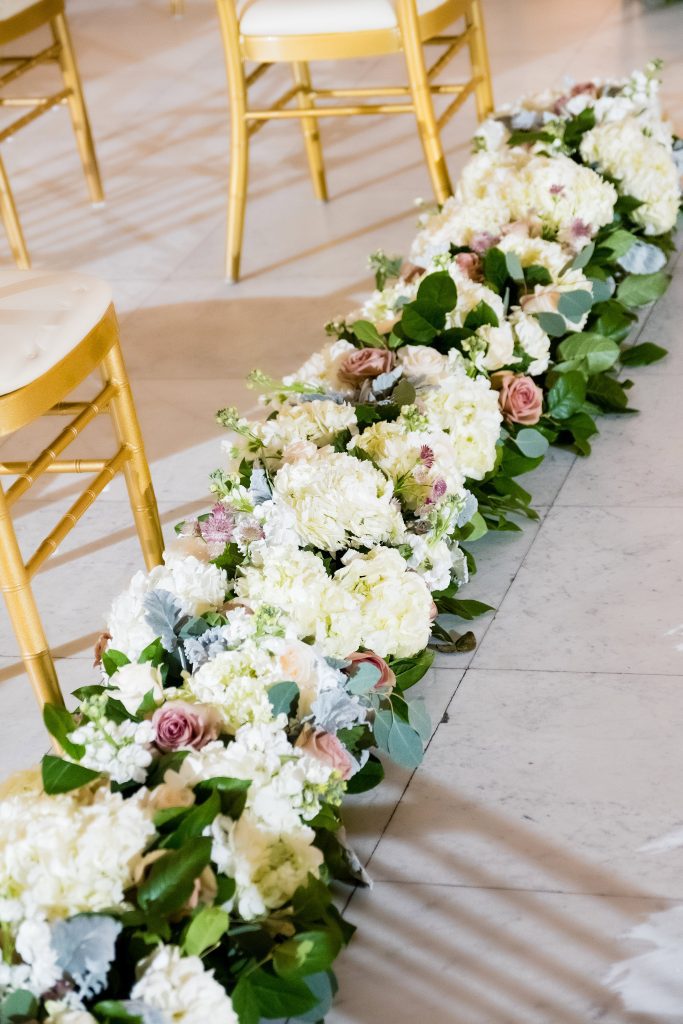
[
  {"x": 552, "y": 323},
  {"x": 365, "y": 677},
  {"x": 282, "y": 697},
  {"x": 583, "y": 257},
  {"x": 642, "y": 258},
  {"x": 574, "y": 305},
  {"x": 418, "y": 717},
  {"x": 531, "y": 442},
  {"x": 404, "y": 744},
  {"x": 381, "y": 728}
]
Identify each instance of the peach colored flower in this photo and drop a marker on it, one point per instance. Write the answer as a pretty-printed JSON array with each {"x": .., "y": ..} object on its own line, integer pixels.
[
  {"x": 519, "y": 399},
  {"x": 387, "y": 679},
  {"x": 363, "y": 363},
  {"x": 325, "y": 747}
]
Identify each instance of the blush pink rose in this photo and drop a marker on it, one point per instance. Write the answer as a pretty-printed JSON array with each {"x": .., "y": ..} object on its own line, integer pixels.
[
  {"x": 519, "y": 399},
  {"x": 470, "y": 264},
  {"x": 325, "y": 747},
  {"x": 387, "y": 679},
  {"x": 181, "y": 726},
  {"x": 364, "y": 363}
]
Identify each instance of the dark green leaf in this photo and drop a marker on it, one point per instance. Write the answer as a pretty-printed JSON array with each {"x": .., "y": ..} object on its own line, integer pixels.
[
  {"x": 59, "y": 723},
  {"x": 438, "y": 290},
  {"x": 567, "y": 395},
  {"x": 113, "y": 660},
  {"x": 370, "y": 775},
  {"x": 641, "y": 289},
  {"x": 279, "y": 997},
  {"x": 367, "y": 333},
  {"x": 171, "y": 880},
  {"x": 409, "y": 671},
  {"x": 479, "y": 316},
  {"x": 307, "y": 953},
  {"x": 643, "y": 355},
  {"x": 60, "y": 776}
]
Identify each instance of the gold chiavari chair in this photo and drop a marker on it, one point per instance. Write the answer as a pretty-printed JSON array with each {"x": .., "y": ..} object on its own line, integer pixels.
[
  {"x": 55, "y": 330},
  {"x": 17, "y": 19},
  {"x": 298, "y": 31}
]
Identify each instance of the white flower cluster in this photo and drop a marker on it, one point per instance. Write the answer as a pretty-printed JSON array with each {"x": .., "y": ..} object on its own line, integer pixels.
[
  {"x": 373, "y": 601},
  {"x": 643, "y": 166},
  {"x": 181, "y": 989},
  {"x": 198, "y": 585},
  {"x": 68, "y": 854}
]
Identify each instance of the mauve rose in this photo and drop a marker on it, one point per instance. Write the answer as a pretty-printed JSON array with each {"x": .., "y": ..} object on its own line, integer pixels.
[
  {"x": 181, "y": 726},
  {"x": 365, "y": 362},
  {"x": 387, "y": 679},
  {"x": 325, "y": 747},
  {"x": 520, "y": 400},
  {"x": 470, "y": 264}
]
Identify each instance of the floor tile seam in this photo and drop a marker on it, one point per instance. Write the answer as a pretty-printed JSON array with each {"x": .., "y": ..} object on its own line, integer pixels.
[{"x": 536, "y": 890}]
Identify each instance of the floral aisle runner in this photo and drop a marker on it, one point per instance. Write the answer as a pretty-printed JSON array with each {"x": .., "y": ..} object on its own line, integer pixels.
[{"x": 175, "y": 863}]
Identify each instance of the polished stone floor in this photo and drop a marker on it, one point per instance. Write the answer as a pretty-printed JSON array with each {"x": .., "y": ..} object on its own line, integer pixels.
[{"x": 510, "y": 867}]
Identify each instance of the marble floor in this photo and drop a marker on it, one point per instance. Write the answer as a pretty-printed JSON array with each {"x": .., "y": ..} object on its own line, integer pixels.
[{"x": 512, "y": 867}]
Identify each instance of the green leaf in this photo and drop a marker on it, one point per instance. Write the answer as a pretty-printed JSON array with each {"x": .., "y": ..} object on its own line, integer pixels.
[
  {"x": 311, "y": 901},
  {"x": 403, "y": 394},
  {"x": 597, "y": 353},
  {"x": 194, "y": 822},
  {"x": 418, "y": 717},
  {"x": 438, "y": 290},
  {"x": 171, "y": 880},
  {"x": 536, "y": 274},
  {"x": 114, "y": 1009},
  {"x": 531, "y": 442},
  {"x": 59, "y": 723},
  {"x": 367, "y": 333},
  {"x": 306, "y": 953},
  {"x": 567, "y": 395},
  {"x": 618, "y": 243},
  {"x": 602, "y": 290},
  {"x": 370, "y": 775},
  {"x": 18, "y": 1005},
  {"x": 279, "y": 997},
  {"x": 232, "y": 793},
  {"x": 575, "y": 128},
  {"x": 552, "y": 323},
  {"x": 404, "y": 744},
  {"x": 282, "y": 697},
  {"x": 381, "y": 727},
  {"x": 583, "y": 258},
  {"x": 466, "y": 609},
  {"x": 495, "y": 269},
  {"x": 573, "y": 305},
  {"x": 481, "y": 315},
  {"x": 643, "y": 355},
  {"x": 60, "y": 776},
  {"x": 113, "y": 660},
  {"x": 205, "y": 930},
  {"x": 607, "y": 393},
  {"x": 514, "y": 266},
  {"x": 244, "y": 1001},
  {"x": 364, "y": 678},
  {"x": 409, "y": 671},
  {"x": 416, "y": 325},
  {"x": 641, "y": 289}
]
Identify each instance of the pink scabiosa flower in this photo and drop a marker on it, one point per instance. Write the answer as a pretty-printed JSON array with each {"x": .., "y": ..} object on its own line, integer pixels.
[{"x": 426, "y": 456}]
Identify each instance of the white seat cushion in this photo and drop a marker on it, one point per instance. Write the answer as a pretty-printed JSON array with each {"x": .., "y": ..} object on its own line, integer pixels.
[
  {"x": 43, "y": 316},
  {"x": 320, "y": 17}
]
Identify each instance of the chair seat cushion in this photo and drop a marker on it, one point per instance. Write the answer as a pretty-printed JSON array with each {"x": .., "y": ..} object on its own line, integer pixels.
[
  {"x": 320, "y": 17},
  {"x": 43, "y": 316}
]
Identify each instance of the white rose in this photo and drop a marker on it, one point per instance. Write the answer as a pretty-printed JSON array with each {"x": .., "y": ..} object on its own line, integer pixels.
[{"x": 132, "y": 682}]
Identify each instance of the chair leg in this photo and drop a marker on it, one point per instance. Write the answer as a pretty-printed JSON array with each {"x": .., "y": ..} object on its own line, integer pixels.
[
  {"x": 177, "y": 8},
  {"x": 23, "y": 613},
  {"x": 136, "y": 470},
  {"x": 479, "y": 58},
  {"x": 302, "y": 77},
  {"x": 239, "y": 137},
  {"x": 10, "y": 219},
  {"x": 422, "y": 99},
  {"x": 77, "y": 108}
]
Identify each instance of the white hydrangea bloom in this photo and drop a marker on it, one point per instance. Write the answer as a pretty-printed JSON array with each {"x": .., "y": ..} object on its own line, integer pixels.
[
  {"x": 317, "y": 421},
  {"x": 235, "y": 682},
  {"x": 339, "y": 502},
  {"x": 199, "y": 586},
  {"x": 268, "y": 867},
  {"x": 467, "y": 410},
  {"x": 384, "y": 307},
  {"x": 72, "y": 853},
  {"x": 296, "y": 581},
  {"x": 459, "y": 223},
  {"x": 182, "y": 989},
  {"x": 396, "y": 604},
  {"x": 644, "y": 167}
]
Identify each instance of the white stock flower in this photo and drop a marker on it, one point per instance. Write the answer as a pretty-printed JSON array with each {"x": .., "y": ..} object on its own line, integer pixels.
[
  {"x": 339, "y": 502},
  {"x": 72, "y": 853},
  {"x": 268, "y": 867},
  {"x": 121, "y": 750},
  {"x": 534, "y": 341},
  {"x": 182, "y": 989}
]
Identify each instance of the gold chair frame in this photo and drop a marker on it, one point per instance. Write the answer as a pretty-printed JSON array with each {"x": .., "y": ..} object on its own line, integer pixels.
[
  {"x": 61, "y": 51},
  {"x": 46, "y": 396},
  {"x": 411, "y": 33}
]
